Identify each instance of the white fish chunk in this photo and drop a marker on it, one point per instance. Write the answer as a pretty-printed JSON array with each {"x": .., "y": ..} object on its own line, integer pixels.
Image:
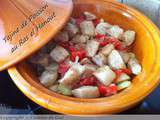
[
  {"x": 127, "y": 55},
  {"x": 48, "y": 78},
  {"x": 70, "y": 77},
  {"x": 62, "y": 36},
  {"x": 115, "y": 60},
  {"x": 105, "y": 75},
  {"x": 72, "y": 29},
  {"x": 59, "y": 54},
  {"x": 87, "y": 28},
  {"x": 80, "y": 39},
  {"x": 100, "y": 59},
  {"x": 128, "y": 37},
  {"x": 134, "y": 66},
  {"x": 102, "y": 27},
  {"x": 86, "y": 92},
  {"x": 92, "y": 47},
  {"x": 115, "y": 31},
  {"x": 52, "y": 67},
  {"x": 89, "y": 16},
  {"x": 106, "y": 50}
]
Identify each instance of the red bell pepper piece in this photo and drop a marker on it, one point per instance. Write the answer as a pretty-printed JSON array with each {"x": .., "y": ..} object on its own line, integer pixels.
[
  {"x": 63, "y": 68},
  {"x": 96, "y": 22},
  {"x": 102, "y": 89},
  {"x": 99, "y": 36},
  {"x": 111, "y": 90},
  {"x": 88, "y": 81},
  {"x": 119, "y": 72},
  {"x": 80, "y": 20},
  {"x": 107, "y": 91},
  {"x": 80, "y": 53}
]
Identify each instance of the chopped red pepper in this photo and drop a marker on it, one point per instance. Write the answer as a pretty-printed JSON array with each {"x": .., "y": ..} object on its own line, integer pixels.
[
  {"x": 63, "y": 68},
  {"x": 111, "y": 90},
  {"x": 100, "y": 36},
  {"x": 107, "y": 91},
  {"x": 96, "y": 22},
  {"x": 119, "y": 72},
  {"x": 102, "y": 89},
  {"x": 88, "y": 81},
  {"x": 80, "y": 20},
  {"x": 64, "y": 44},
  {"x": 81, "y": 54}
]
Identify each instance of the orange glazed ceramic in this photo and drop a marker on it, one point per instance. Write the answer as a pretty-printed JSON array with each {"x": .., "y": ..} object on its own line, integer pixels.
[
  {"x": 27, "y": 25},
  {"x": 147, "y": 49}
]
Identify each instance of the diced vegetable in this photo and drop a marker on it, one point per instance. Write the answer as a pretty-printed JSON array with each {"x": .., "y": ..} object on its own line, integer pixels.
[
  {"x": 81, "y": 54},
  {"x": 64, "y": 90},
  {"x": 105, "y": 75},
  {"x": 123, "y": 85},
  {"x": 86, "y": 92},
  {"x": 89, "y": 81}
]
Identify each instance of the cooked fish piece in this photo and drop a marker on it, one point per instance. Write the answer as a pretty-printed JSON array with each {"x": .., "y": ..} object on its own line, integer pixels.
[
  {"x": 70, "y": 77},
  {"x": 115, "y": 31},
  {"x": 80, "y": 39},
  {"x": 86, "y": 92},
  {"x": 54, "y": 88},
  {"x": 134, "y": 66},
  {"x": 62, "y": 36},
  {"x": 115, "y": 60},
  {"x": 87, "y": 28},
  {"x": 102, "y": 27},
  {"x": 52, "y": 67},
  {"x": 40, "y": 59},
  {"x": 105, "y": 75},
  {"x": 123, "y": 77},
  {"x": 90, "y": 67},
  {"x": 85, "y": 61},
  {"x": 89, "y": 16},
  {"x": 99, "y": 59},
  {"x": 48, "y": 78},
  {"x": 59, "y": 54},
  {"x": 72, "y": 29},
  {"x": 92, "y": 47},
  {"x": 128, "y": 37},
  {"x": 106, "y": 50},
  {"x": 127, "y": 55}
]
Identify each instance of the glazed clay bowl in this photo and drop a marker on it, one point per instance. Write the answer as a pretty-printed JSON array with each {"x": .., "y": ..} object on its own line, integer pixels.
[{"x": 146, "y": 48}]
